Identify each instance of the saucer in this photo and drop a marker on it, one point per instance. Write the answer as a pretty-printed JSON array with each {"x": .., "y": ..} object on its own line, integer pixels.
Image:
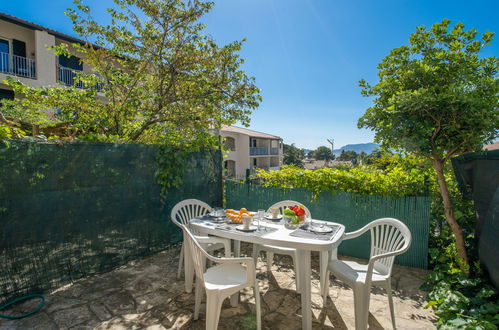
[
  {"x": 249, "y": 230},
  {"x": 269, "y": 217}
]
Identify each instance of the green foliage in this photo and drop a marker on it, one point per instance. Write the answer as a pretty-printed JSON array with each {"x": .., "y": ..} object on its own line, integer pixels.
[
  {"x": 402, "y": 177},
  {"x": 293, "y": 155},
  {"x": 323, "y": 153},
  {"x": 348, "y": 155},
  {"x": 436, "y": 95},
  {"x": 163, "y": 79}
]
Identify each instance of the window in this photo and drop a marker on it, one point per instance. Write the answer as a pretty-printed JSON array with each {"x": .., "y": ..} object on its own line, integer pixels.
[
  {"x": 6, "y": 94},
  {"x": 4, "y": 55},
  {"x": 72, "y": 62},
  {"x": 254, "y": 161}
]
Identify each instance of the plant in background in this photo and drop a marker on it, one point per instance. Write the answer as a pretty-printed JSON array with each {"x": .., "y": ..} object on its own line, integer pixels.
[
  {"x": 163, "y": 79},
  {"x": 323, "y": 153},
  {"x": 437, "y": 98},
  {"x": 293, "y": 155}
]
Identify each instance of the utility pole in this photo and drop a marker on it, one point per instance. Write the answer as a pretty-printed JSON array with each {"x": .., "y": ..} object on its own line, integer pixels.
[
  {"x": 332, "y": 147},
  {"x": 332, "y": 144}
]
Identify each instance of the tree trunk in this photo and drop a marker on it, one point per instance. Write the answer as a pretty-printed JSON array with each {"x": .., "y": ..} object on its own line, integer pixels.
[{"x": 449, "y": 215}]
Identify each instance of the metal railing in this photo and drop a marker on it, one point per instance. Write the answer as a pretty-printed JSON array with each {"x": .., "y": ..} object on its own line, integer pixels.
[
  {"x": 17, "y": 65},
  {"x": 274, "y": 151},
  {"x": 67, "y": 76},
  {"x": 259, "y": 151}
]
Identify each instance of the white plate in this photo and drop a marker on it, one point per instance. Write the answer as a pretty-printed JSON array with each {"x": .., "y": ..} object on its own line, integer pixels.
[
  {"x": 321, "y": 230},
  {"x": 251, "y": 228},
  {"x": 269, "y": 217}
]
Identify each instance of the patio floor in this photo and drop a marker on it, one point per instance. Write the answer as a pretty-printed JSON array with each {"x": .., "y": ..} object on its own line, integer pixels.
[{"x": 146, "y": 294}]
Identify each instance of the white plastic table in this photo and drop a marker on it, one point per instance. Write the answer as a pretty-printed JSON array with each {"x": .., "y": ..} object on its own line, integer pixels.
[{"x": 281, "y": 237}]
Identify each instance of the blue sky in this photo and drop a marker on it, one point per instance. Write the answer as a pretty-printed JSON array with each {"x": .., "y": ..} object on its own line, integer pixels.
[{"x": 307, "y": 55}]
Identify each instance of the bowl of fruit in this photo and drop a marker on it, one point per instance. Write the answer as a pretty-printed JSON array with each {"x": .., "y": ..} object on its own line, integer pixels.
[{"x": 294, "y": 216}]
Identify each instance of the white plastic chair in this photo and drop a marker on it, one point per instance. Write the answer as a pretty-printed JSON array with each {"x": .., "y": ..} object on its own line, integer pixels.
[
  {"x": 221, "y": 281},
  {"x": 181, "y": 214},
  {"x": 389, "y": 238},
  {"x": 270, "y": 249}
]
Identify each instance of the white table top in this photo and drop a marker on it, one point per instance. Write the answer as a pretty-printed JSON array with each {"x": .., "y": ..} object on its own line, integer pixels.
[{"x": 280, "y": 237}]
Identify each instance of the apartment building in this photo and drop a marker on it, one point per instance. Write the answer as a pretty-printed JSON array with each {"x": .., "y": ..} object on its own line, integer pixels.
[
  {"x": 24, "y": 55},
  {"x": 250, "y": 150}
]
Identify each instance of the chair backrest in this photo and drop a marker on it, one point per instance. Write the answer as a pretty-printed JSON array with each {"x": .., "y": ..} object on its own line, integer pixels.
[
  {"x": 284, "y": 204},
  {"x": 388, "y": 235},
  {"x": 189, "y": 209},
  {"x": 196, "y": 252}
]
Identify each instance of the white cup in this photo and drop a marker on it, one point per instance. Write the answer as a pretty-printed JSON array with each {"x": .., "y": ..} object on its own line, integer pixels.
[
  {"x": 246, "y": 222},
  {"x": 274, "y": 211}
]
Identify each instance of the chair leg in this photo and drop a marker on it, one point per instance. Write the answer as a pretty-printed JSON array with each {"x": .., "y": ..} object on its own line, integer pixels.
[
  {"x": 361, "y": 303},
  {"x": 388, "y": 287},
  {"x": 213, "y": 306},
  {"x": 180, "y": 260},
  {"x": 188, "y": 270},
  {"x": 256, "y": 291},
  {"x": 270, "y": 259},
  {"x": 197, "y": 298}
]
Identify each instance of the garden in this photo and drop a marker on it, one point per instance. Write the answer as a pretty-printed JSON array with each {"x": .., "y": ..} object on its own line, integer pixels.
[{"x": 86, "y": 191}]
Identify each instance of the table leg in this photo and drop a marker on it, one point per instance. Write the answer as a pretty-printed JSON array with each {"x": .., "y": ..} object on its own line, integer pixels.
[
  {"x": 324, "y": 260},
  {"x": 237, "y": 248},
  {"x": 306, "y": 289},
  {"x": 234, "y": 299}
]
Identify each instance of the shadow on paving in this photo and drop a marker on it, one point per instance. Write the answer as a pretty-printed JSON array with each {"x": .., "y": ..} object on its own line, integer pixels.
[{"x": 146, "y": 293}]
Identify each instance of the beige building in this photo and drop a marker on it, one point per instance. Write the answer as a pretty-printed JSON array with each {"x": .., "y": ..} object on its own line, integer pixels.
[
  {"x": 24, "y": 55},
  {"x": 250, "y": 150}
]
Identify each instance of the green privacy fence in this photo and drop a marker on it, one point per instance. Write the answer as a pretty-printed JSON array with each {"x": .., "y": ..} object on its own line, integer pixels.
[
  {"x": 353, "y": 211},
  {"x": 74, "y": 209}
]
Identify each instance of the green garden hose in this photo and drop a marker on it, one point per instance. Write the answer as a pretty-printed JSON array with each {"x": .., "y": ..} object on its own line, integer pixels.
[{"x": 14, "y": 317}]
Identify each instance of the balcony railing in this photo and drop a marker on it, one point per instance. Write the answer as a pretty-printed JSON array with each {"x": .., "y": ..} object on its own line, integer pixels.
[
  {"x": 67, "y": 76},
  {"x": 259, "y": 151},
  {"x": 17, "y": 65},
  {"x": 274, "y": 151}
]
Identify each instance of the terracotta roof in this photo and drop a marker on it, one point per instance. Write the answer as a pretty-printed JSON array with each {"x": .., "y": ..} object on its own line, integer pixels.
[
  {"x": 34, "y": 26},
  {"x": 249, "y": 132},
  {"x": 492, "y": 146}
]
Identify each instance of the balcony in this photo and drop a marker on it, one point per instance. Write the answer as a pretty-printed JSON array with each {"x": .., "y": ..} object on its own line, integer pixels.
[
  {"x": 17, "y": 65},
  {"x": 259, "y": 151},
  {"x": 67, "y": 77},
  {"x": 274, "y": 151}
]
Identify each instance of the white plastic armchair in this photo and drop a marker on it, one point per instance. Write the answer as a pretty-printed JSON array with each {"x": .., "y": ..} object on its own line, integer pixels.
[
  {"x": 389, "y": 238},
  {"x": 229, "y": 276},
  {"x": 270, "y": 249},
  {"x": 181, "y": 214}
]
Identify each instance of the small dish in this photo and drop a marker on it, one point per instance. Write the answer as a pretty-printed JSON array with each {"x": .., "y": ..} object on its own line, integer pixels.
[
  {"x": 269, "y": 217},
  {"x": 249, "y": 230},
  {"x": 319, "y": 229}
]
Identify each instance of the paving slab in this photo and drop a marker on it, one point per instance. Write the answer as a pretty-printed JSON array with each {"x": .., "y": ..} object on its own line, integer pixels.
[{"x": 146, "y": 294}]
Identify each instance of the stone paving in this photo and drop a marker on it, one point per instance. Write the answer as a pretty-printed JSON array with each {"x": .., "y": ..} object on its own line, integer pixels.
[{"x": 146, "y": 294}]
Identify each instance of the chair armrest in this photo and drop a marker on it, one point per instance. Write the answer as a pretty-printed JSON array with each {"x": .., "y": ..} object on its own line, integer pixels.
[{"x": 357, "y": 233}]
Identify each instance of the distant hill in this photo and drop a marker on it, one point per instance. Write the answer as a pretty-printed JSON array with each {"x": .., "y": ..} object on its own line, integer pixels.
[{"x": 358, "y": 148}]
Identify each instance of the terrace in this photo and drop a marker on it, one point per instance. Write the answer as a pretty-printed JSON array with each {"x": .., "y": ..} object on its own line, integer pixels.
[{"x": 146, "y": 293}]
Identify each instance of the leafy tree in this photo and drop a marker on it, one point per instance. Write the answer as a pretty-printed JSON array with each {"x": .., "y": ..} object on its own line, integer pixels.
[
  {"x": 293, "y": 155},
  {"x": 163, "y": 79},
  {"x": 436, "y": 98},
  {"x": 348, "y": 155},
  {"x": 323, "y": 153}
]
